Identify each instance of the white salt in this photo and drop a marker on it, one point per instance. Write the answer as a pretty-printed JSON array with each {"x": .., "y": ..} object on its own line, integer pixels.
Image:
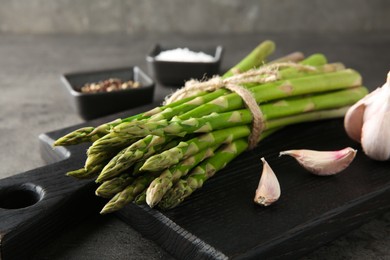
[{"x": 184, "y": 54}]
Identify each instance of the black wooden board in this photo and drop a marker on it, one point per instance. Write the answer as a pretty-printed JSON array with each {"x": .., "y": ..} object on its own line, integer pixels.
[{"x": 220, "y": 221}]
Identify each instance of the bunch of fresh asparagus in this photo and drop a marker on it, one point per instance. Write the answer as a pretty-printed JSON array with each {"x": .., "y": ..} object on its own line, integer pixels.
[{"x": 162, "y": 156}]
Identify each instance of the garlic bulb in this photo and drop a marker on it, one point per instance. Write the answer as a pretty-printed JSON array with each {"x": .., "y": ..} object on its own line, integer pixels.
[
  {"x": 323, "y": 162},
  {"x": 268, "y": 190},
  {"x": 368, "y": 122}
]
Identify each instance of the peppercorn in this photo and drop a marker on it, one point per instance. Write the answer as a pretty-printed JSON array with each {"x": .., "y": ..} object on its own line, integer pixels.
[{"x": 109, "y": 85}]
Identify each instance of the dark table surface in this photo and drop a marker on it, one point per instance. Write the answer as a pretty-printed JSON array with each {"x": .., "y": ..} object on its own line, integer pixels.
[{"x": 33, "y": 102}]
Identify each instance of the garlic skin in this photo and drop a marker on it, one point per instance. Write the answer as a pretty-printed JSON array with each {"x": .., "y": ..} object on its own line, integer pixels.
[
  {"x": 368, "y": 122},
  {"x": 268, "y": 190},
  {"x": 323, "y": 163}
]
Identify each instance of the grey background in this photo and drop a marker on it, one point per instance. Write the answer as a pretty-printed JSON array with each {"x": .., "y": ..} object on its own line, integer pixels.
[{"x": 184, "y": 16}]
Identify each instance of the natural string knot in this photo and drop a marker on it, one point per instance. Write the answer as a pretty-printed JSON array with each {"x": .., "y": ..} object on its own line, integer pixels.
[{"x": 264, "y": 74}]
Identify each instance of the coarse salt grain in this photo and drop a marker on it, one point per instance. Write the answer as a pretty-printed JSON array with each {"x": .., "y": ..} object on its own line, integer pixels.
[{"x": 184, "y": 54}]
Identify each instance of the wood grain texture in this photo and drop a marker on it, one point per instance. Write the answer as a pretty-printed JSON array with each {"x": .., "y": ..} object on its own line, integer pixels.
[{"x": 220, "y": 221}]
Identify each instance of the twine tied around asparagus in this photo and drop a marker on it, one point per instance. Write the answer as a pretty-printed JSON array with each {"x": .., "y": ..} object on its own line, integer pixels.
[{"x": 264, "y": 74}]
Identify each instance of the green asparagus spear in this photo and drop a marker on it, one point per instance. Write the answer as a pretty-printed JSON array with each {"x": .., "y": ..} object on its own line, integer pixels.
[
  {"x": 110, "y": 142},
  {"x": 259, "y": 54},
  {"x": 164, "y": 182},
  {"x": 139, "y": 150},
  {"x": 280, "y": 108},
  {"x": 140, "y": 198},
  {"x": 185, "y": 187},
  {"x": 109, "y": 188},
  {"x": 76, "y": 137},
  {"x": 278, "y": 90},
  {"x": 186, "y": 149},
  {"x": 129, "y": 193},
  {"x": 317, "y": 60},
  {"x": 84, "y": 173}
]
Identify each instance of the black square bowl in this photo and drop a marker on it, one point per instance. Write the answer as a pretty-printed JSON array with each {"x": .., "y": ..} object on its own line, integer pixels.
[
  {"x": 175, "y": 73},
  {"x": 93, "y": 105}
]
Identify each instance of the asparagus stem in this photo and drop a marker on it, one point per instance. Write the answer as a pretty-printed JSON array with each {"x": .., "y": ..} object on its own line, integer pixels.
[
  {"x": 317, "y": 60},
  {"x": 140, "y": 198},
  {"x": 139, "y": 150},
  {"x": 275, "y": 109},
  {"x": 75, "y": 137},
  {"x": 161, "y": 184},
  {"x": 164, "y": 182},
  {"x": 91, "y": 134},
  {"x": 84, "y": 173},
  {"x": 181, "y": 189},
  {"x": 290, "y": 73},
  {"x": 136, "y": 191},
  {"x": 106, "y": 147},
  {"x": 306, "y": 117},
  {"x": 194, "y": 105},
  {"x": 110, "y": 142},
  {"x": 185, "y": 187},
  {"x": 97, "y": 159},
  {"x": 292, "y": 57},
  {"x": 281, "y": 89},
  {"x": 109, "y": 188},
  {"x": 296, "y": 86},
  {"x": 128, "y": 194},
  {"x": 254, "y": 59},
  {"x": 183, "y": 150}
]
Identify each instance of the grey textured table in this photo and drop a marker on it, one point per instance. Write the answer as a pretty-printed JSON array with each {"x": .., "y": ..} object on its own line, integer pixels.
[{"x": 32, "y": 102}]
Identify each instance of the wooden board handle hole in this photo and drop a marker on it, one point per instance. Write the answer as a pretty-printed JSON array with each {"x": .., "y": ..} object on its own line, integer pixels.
[{"x": 20, "y": 196}]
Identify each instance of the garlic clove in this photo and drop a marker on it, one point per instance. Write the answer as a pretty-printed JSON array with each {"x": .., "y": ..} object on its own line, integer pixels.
[
  {"x": 376, "y": 137},
  {"x": 368, "y": 122},
  {"x": 354, "y": 118},
  {"x": 376, "y": 128},
  {"x": 268, "y": 190},
  {"x": 323, "y": 163}
]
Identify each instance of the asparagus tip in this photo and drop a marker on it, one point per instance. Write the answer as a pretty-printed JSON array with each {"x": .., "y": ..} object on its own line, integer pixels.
[{"x": 157, "y": 190}]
